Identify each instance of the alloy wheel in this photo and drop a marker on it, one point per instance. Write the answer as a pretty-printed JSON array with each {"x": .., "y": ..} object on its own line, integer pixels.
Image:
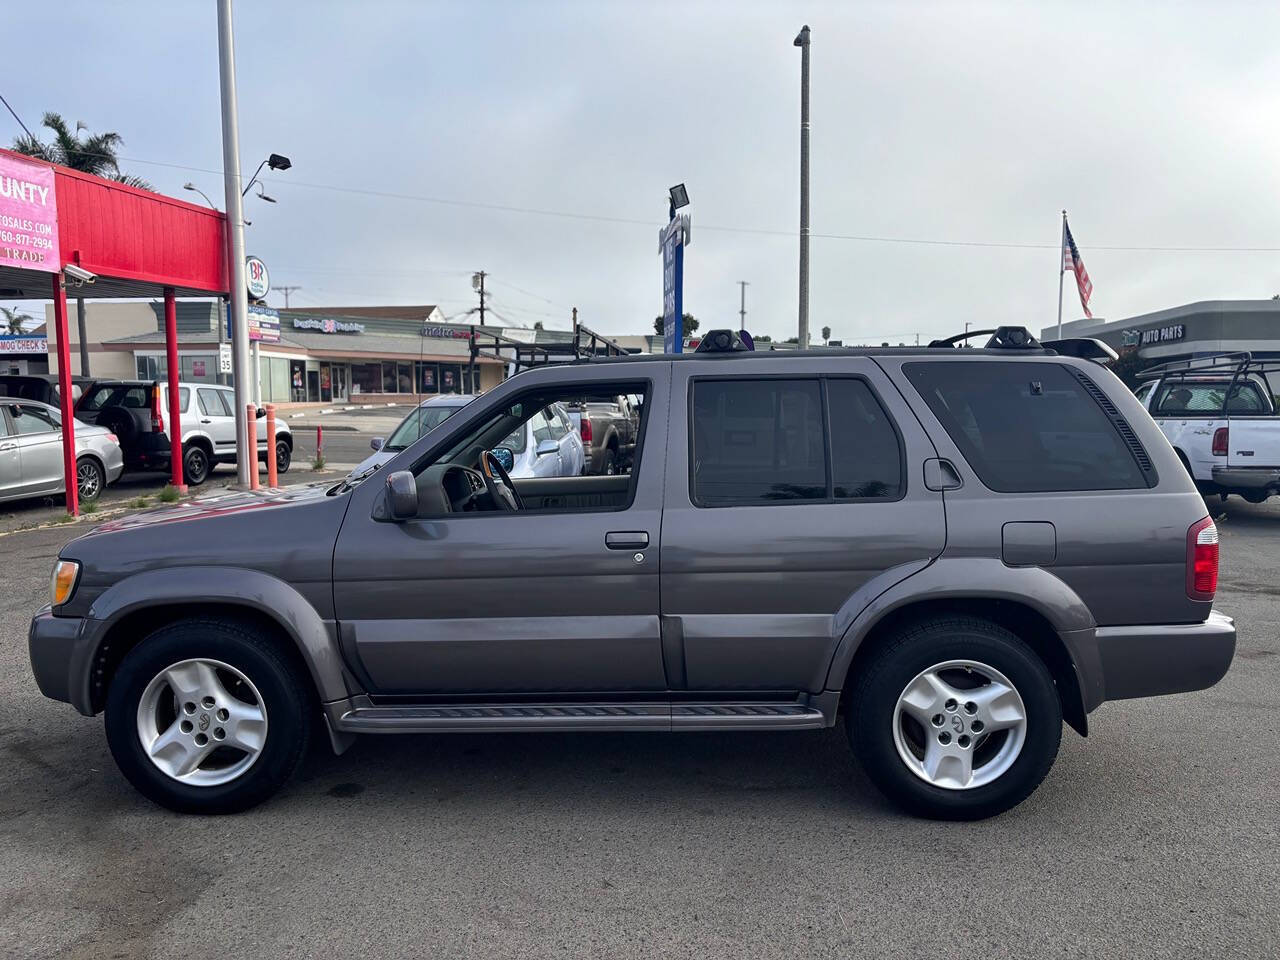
[
  {"x": 202, "y": 722},
  {"x": 88, "y": 480},
  {"x": 959, "y": 724}
]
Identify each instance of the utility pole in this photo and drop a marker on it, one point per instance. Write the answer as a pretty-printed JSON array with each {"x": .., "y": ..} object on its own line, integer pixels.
[
  {"x": 802, "y": 41},
  {"x": 742, "y": 310},
  {"x": 477, "y": 284},
  {"x": 286, "y": 291},
  {"x": 84, "y": 337},
  {"x": 246, "y": 459}
]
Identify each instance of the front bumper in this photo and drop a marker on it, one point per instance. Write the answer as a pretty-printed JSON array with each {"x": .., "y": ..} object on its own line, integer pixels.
[
  {"x": 52, "y": 643},
  {"x": 1248, "y": 478},
  {"x": 1147, "y": 661}
]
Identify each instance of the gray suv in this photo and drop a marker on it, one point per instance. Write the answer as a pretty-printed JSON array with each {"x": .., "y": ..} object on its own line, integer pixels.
[{"x": 950, "y": 552}]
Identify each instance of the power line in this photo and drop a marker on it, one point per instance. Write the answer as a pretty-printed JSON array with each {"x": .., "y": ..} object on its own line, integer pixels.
[
  {"x": 16, "y": 117},
  {"x": 758, "y": 231}
]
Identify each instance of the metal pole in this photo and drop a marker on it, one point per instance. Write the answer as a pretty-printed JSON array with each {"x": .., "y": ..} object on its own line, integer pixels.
[
  {"x": 802, "y": 41},
  {"x": 246, "y": 456},
  {"x": 175, "y": 394},
  {"x": 256, "y": 364},
  {"x": 482, "y": 275},
  {"x": 1062, "y": 245},
  {"x": 65, "y": 403},
  {"x": 84, "y": 338},
  {"x": 742, "y": 310}
]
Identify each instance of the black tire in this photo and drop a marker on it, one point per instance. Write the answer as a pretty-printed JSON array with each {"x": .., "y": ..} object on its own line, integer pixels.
[
  {"x": 91, "y": 479},
  {"x": 195, "y": 465},
  {"x": 610, "y": 466},
  {"x": 285, "y": 698},
  {"x": 284, "y": 456},
  {"x": 882, "y": 679}
]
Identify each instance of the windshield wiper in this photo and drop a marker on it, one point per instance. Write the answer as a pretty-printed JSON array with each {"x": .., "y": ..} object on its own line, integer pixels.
[{"x": 350, "y": 482}]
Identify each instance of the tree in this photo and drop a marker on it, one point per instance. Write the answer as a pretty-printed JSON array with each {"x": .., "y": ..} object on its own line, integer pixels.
[
  {"x": 826, "y": 334},
  {"x": 538, "y": 325},
  {"x": 795, "y": 340},
  {"x": 1128, "y": 365},
  {"x": 11, "y": 321},
  {"x": 690, "y": 325},
  {"x": 763, "y": 338},
  {"x": 94, "y": 153}
]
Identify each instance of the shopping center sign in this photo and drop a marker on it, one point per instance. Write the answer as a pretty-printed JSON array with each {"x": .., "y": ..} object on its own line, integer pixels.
[
  {"x": 263, "y": 323},
  {"x": 28, "y": 216},
  {"x": 327, "y": 325}
]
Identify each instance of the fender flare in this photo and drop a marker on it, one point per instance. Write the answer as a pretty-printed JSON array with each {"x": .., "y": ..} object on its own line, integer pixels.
[
  {"x": 985, "y": 578},
  {"x": 234, "y": 586}
]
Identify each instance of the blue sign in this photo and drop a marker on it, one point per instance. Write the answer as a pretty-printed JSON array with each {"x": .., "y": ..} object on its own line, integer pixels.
[{"x": 671, "y": 241}]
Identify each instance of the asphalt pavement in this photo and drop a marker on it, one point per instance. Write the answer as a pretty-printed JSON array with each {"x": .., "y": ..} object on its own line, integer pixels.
[{"x": 1155, "y": 837}]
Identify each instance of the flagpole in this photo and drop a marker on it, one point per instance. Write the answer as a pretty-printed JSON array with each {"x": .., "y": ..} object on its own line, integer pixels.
[{"x": 1062, "y": 243}]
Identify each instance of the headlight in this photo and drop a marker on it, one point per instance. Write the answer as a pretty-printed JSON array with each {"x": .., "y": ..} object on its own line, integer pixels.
[{"x": 65, "y": 574}]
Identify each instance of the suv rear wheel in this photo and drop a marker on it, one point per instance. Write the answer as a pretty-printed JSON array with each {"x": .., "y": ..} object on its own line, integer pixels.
[
  {"x": 955, "y": 719},
  {"x": 195, "y": 465},
  {"x": 206, "y": 716}
]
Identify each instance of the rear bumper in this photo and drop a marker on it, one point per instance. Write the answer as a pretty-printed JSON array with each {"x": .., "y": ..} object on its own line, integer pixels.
[
  {"x": 1147, "y": 661},
  {"x": 1248, "y": 478}
]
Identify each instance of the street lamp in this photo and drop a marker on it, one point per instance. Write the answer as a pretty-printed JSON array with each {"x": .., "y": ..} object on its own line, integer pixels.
[
  {"x": 679, "y": 197},
  {"x": 802, "y": 41},
  {"x": 191, "y": 186},
  {"x": 276, "y": 162}
]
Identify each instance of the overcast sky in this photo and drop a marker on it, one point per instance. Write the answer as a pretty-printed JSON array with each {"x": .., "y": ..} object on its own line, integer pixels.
[{"x": 1153, "y": 124}]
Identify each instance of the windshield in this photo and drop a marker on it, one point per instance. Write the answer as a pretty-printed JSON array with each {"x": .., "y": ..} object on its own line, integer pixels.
[{"x": 416, "y": 424}]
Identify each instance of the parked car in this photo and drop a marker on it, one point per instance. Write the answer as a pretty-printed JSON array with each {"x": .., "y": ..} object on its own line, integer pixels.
[
  {"x": 41, "y": 387},
  {"x": 608, "y": 431},
  {"x": 1219, "y": 414},
  {"x": 31, "y": 453},
  {"x": 135, "y": 411},
  {"x": 948, "y": 551},
  {"x": 545, "y": 445},
  {"x": 430, "y": 413}
]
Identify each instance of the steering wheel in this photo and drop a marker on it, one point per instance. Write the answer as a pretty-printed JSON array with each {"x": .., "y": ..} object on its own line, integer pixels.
[{"x": 496, "y": 480}]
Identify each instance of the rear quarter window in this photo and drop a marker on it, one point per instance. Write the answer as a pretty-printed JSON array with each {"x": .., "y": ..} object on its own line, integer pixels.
[{"x": 1027, "y": 427}]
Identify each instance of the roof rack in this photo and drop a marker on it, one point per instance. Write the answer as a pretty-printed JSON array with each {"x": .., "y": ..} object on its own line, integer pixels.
[
  {"x": 597, "y": 344},
  {"x": 1237, "y": 366},
  {"x": 521, "y": 355}
]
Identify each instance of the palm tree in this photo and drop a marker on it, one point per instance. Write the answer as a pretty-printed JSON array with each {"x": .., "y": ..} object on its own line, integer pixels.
[
  {"x": 94, "y": 153},
  {"x": 11, "y": 321}
]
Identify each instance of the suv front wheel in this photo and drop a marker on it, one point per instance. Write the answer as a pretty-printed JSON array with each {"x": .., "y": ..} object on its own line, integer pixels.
[
  {"x": 955, "y": 719},
  {"x": 207, "y": 716}
]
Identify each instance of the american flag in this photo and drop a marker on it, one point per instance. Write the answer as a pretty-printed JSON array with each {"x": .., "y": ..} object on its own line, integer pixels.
[{"x": 1071, "y": 261}]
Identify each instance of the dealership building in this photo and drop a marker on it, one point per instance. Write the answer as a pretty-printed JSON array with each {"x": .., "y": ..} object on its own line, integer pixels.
[
  {"x": 323, "y": 355},
  {"x": 1193, "y": 330}
]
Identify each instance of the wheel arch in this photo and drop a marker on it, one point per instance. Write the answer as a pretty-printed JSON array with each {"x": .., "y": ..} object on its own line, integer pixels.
[
  {"x": 131, "y": 610},
  {"x": 1029, "y": 602}
]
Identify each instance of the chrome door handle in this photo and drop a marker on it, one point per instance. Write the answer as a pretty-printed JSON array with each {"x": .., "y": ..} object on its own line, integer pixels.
[
  {"x": 626, "y": 540},
  {"x": 8, "y": 446}
]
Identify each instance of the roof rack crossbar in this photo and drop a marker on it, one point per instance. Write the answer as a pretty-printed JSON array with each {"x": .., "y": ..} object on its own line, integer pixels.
[{"x": 598, "y": 345}]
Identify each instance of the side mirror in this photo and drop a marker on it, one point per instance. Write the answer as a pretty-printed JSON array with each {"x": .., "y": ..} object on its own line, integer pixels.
[
  {"x": 402, "y": 495},
  {"x": 262, "y": 412},
  {"x": 376, "y": 443},
  {"x": 545, "y": 447},
  {"x": 505, "y": 457}
]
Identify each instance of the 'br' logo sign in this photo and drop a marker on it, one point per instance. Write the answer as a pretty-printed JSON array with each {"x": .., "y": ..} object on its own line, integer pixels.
[{"x": 256, "y": 279}]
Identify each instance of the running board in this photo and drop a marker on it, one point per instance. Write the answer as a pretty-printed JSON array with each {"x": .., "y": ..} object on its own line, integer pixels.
[{"x": 502, "y": 717}]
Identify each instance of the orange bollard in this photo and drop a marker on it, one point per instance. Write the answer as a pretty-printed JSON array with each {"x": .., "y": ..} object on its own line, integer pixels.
[
  {"x": 252, "y": 412},
  {"x": 271, "y": 446}
]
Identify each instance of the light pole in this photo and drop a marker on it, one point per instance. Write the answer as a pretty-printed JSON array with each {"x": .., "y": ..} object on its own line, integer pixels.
[
  {"x": 191, "y": 186},
  {"x": 742, "y": 309},
  {"x": 246, "y": 459},
  {"x": 802, "y": 41}
]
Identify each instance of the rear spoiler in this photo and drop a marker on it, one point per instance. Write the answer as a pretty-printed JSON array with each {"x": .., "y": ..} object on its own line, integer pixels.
[{"x": 1084, "y": 348}]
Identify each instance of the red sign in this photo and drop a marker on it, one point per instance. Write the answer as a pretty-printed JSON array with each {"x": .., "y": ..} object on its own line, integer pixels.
[
  {"x": 197, "y": 368},
  {"x": 28, "y": 216}
]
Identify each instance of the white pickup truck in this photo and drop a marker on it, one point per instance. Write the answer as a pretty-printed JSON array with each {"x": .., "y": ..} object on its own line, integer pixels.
[{"x": 1219, "y": 414}]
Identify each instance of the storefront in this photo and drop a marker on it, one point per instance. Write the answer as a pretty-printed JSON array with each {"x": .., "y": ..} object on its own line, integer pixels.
[
  {"x": 328, "y": 359},
  {"x": 1193, "y": 330}
]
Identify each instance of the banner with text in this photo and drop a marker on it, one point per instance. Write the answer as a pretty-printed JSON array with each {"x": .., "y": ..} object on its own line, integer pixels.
[{"x": 28, "y": 216}]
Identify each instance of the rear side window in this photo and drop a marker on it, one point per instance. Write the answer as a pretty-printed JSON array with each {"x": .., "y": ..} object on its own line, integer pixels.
[
  {"x": 774, "y": 440},
  {"x": 1207, "y": 398},
  {"x": 1027, "y": 427}
]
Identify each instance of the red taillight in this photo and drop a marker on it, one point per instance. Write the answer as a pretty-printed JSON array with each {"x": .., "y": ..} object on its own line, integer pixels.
[
  {"x": 1202, "y": 560},
  {"x": 1221, "y": 438},
  {"x": 584, "y": 428},
  {"x": 157, "y": 417}
]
